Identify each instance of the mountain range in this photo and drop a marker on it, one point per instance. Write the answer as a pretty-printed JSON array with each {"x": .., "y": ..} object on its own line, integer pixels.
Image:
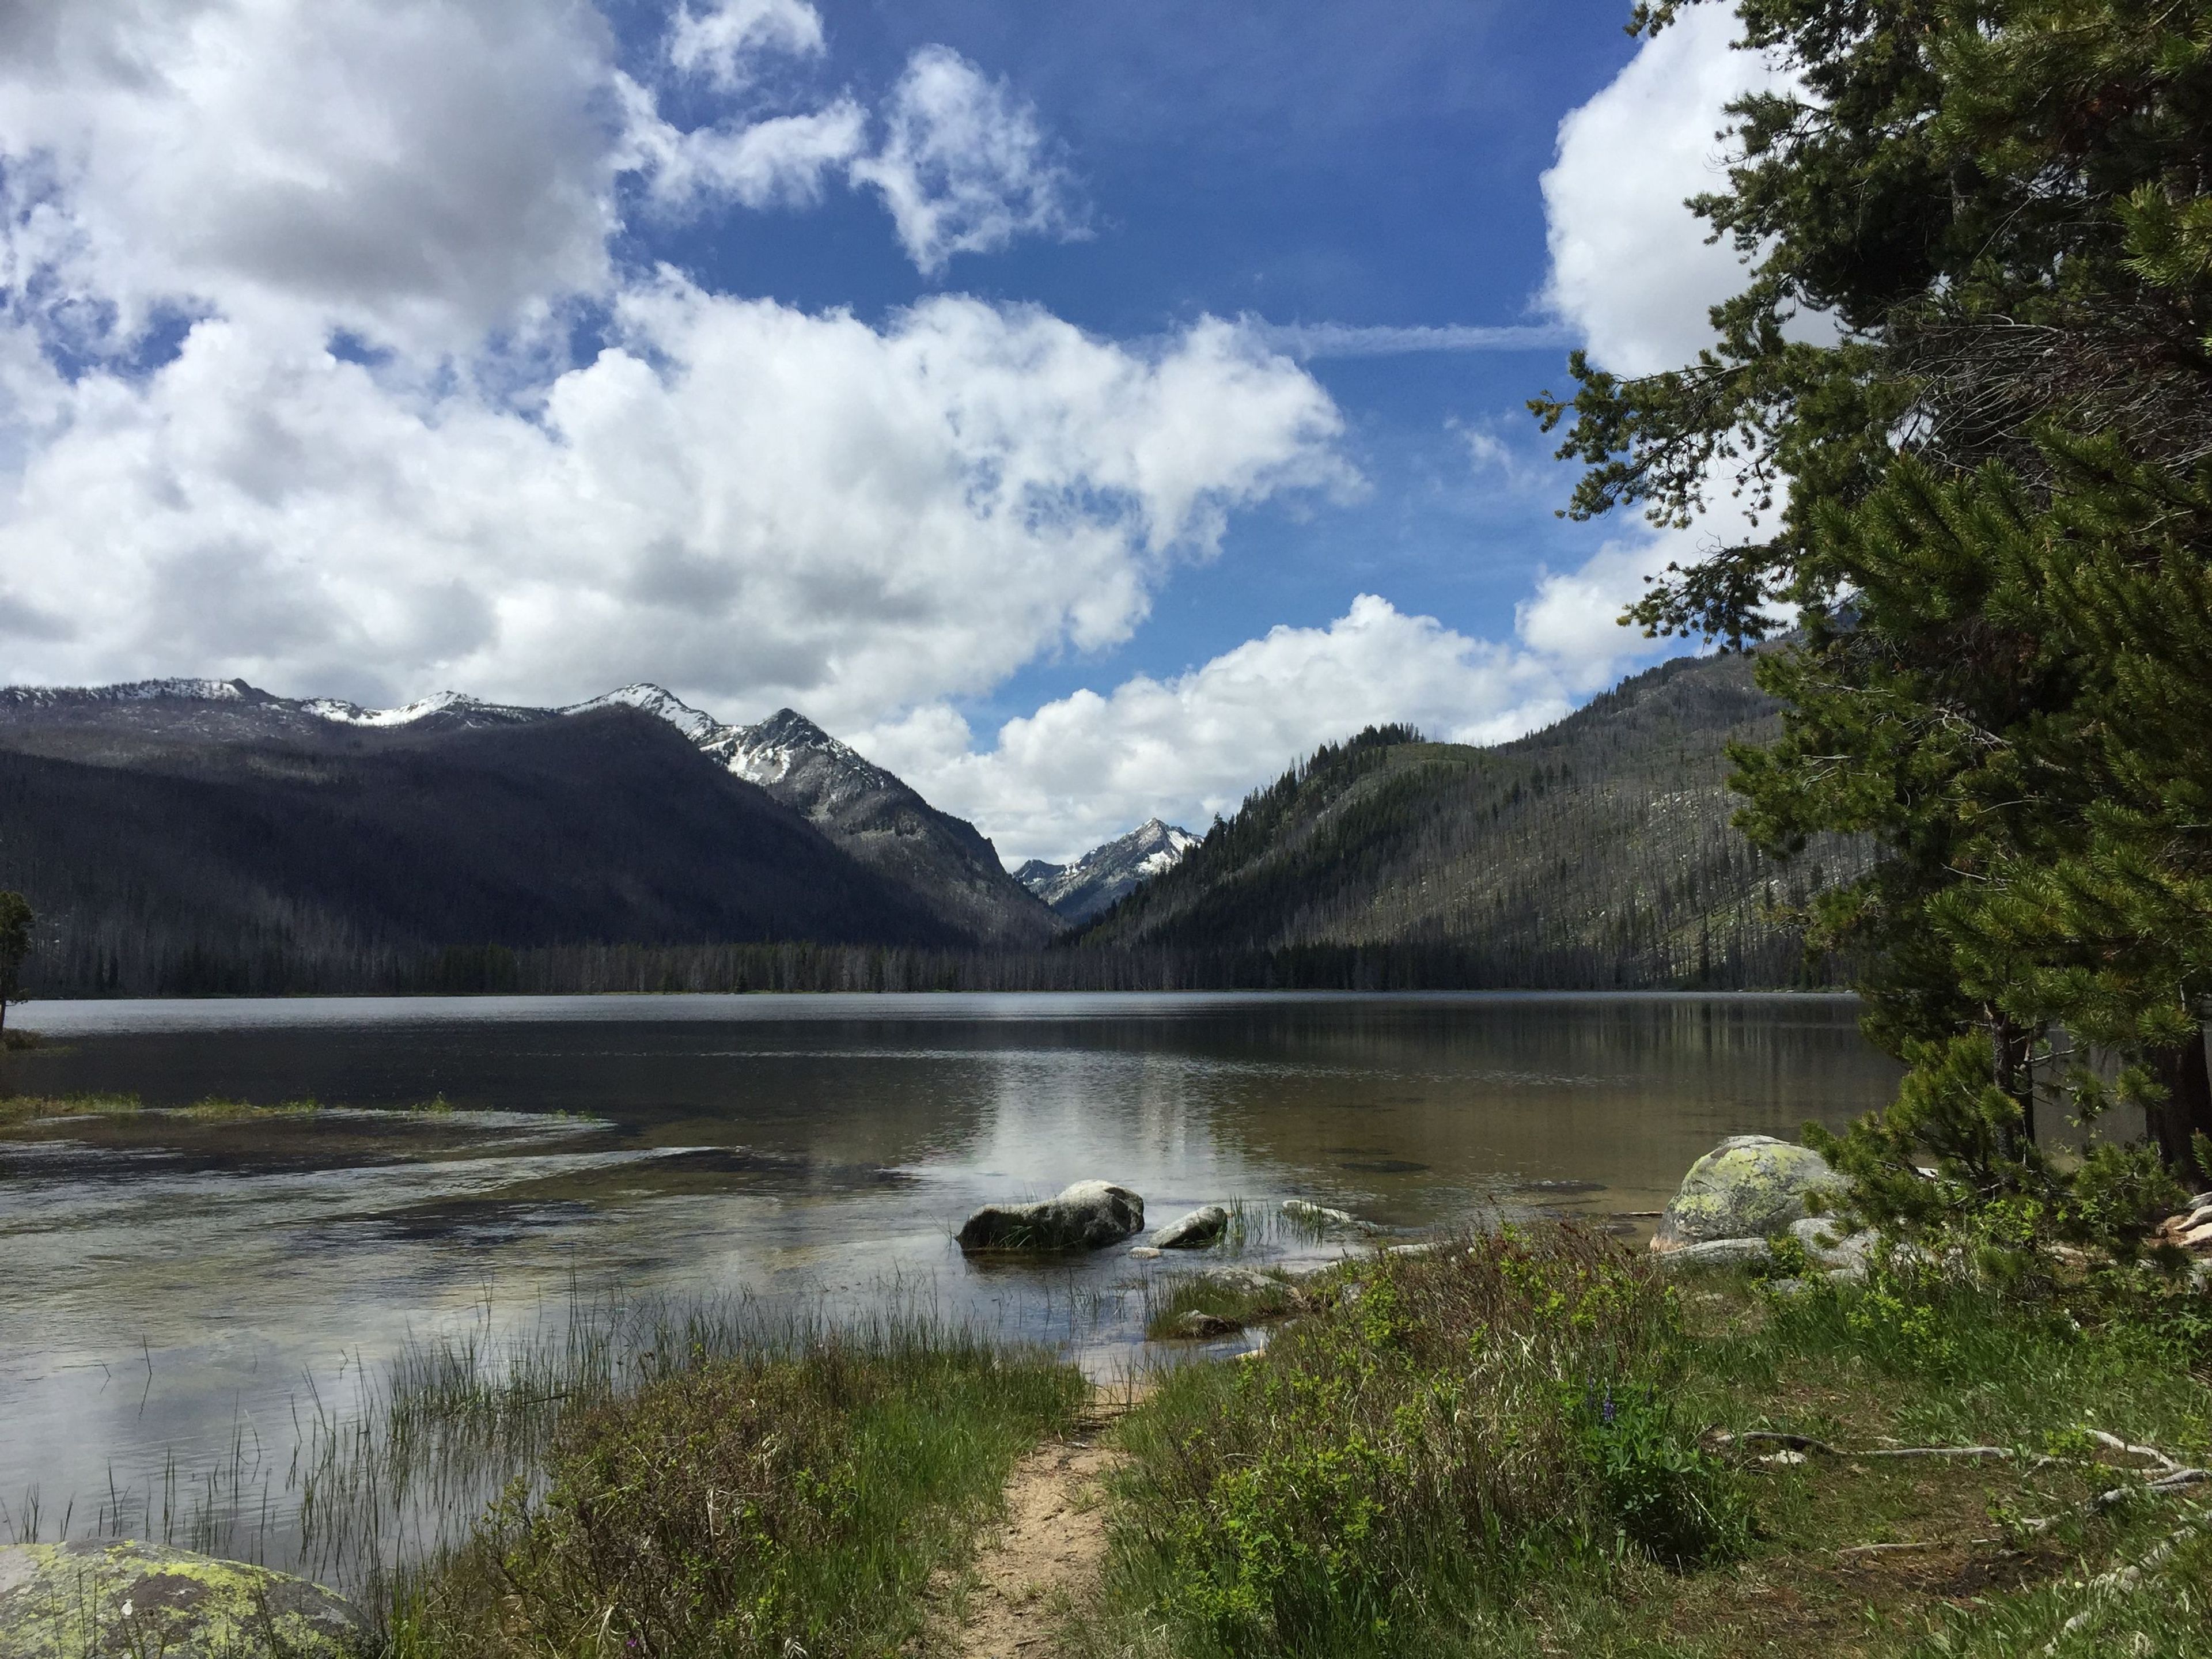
[
  {"x": 1107, "y": 874},
  {"x": 183, "y": 835},
  {"x": 187, "y": 834}
]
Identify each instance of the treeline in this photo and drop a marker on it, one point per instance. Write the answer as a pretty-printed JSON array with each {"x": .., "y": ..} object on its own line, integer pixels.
[{"x": 1740, "y": 960}]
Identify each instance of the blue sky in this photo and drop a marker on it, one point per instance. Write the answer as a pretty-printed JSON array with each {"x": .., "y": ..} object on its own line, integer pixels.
[
  {"x": 1024, "y": 392},
  {"x": 1370, "y": 165}
]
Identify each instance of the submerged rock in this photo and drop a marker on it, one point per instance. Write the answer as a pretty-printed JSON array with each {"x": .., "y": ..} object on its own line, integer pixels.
[
  {"x": 1320, "y": 1215},
  {"x": 97, "y": 1600},
  {"x": 1199, "y": 1324},
  {"x": 1747, "y": 1187},
  {"x": 1088, "y": 1216},
  {"x": 1245, "y": 1281},
  {"x": 1193, "y": 1232}
]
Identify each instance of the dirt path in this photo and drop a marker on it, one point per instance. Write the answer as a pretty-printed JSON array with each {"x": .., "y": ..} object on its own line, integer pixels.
[{"x": 1052, "y": 1544}]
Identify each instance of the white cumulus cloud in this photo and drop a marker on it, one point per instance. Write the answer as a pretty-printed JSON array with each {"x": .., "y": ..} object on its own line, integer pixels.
[
  {"x": 752, "y": 503},
  {"x": 965, "y": 167},
  {"x": 418, "y": 168},
  {"x": 1086, "y": 767},
  {"x": 1631, "y": 269}
]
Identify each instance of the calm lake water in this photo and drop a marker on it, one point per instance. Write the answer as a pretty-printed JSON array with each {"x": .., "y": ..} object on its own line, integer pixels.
[{"x": 181, "y": 1295}]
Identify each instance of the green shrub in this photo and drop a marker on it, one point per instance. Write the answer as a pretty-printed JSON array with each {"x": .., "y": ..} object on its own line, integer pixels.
[
  {"x": 1669, "y": 1498},
  {"x": 1426, "y": 1439}
]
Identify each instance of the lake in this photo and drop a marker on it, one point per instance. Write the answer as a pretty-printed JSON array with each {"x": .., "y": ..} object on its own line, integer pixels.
[{"x": 186, "y": 1296}]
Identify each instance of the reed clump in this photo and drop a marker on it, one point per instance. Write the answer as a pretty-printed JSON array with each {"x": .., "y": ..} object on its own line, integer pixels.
[
  {"x": 30, "y": 1109},
  {"x": 1427, "y": 1438},
  {"x": 214, "y": 1109},
  {"x": 761, "y": 1503}
]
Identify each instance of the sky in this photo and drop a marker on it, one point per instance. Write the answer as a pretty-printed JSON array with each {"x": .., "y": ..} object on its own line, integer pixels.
[{"x": 1083, "y": 411}]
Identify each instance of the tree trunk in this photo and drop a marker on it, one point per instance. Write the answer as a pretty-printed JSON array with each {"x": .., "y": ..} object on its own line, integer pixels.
[
  {"x": 2012, "y": 1051},
  {"x": 2186, "y": 1111}
]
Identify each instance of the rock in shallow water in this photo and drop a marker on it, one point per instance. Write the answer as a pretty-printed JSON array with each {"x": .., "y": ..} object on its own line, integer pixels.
[
  {"x": 1321, "y": 1215},
  {"x": 1747, "y": 1187},
  {"x": 1088, "y": 1216},
  {"x": 97, "y": 1600},
  {"x": 1202, "y": 1326},
  {"x": 1193, "y": 1232}
]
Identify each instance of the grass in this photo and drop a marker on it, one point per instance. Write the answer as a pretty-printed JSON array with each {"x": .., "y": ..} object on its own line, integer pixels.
[
  {"x": 766, "y": 1505},
  {"x": 30, "y": 1109},
  {"x": 1506, "y": 1449},
  {"x": 213, "y": 1109}
]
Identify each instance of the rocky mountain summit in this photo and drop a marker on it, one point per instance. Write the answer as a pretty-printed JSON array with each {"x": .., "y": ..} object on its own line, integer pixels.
[{"x": 1105, "y": 875}]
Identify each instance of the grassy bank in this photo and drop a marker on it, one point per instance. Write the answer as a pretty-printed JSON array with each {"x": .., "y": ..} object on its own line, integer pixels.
[
  {"x": 764, "y": 1504},
  {"x": 1520, "y": 1445}
]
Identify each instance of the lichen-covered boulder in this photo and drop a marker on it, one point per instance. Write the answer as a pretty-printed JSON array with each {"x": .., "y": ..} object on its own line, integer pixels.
[
  {"x": 1193, "y": 1232},
  {"x": 96, "y": 1600},
  {"x": 1088, "y": 1216},
  {"x": 1747, "y": 1187}
]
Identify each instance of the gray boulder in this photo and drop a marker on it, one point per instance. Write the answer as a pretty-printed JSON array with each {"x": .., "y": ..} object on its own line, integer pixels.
[
  {"x": 1747, "y": 1187},
  {"x": 1193, "y": 1232},
  {"x": 96, "y": 1600},
  {"x": 1088, "y": 1216},
  {"x": 1719, "y": 1253},
  {"x": 1848, "y": 1250}
]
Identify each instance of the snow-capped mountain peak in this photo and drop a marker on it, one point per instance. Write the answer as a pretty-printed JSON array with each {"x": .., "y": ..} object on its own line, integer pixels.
[
  {"x": 1106, "y": 874},
  {"x": 696, "y": 724},
  {"x": 766, "y": 753}
]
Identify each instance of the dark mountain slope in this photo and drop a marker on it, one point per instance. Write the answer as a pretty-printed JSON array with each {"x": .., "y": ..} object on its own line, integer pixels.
[
  {"x": 881, "y": 821},
  {"x": 202, "y": 862},
  {"x": 943, "y": 865},
  {"x": 1598, "y": 852}
]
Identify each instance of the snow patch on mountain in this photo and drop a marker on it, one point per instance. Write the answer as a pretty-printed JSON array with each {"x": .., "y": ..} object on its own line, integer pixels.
[{"x": 339, "y": 712}]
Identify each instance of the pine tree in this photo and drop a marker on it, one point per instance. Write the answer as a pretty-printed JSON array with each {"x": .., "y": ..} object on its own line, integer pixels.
[
  {"x": 1984, "y": 501},
  {"x": 16, "y": 924}
]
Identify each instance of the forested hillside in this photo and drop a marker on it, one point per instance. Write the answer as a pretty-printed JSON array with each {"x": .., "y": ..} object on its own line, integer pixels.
[
  {"x": 1596, "y": 852},
  {"x": 180, "y": 859}
]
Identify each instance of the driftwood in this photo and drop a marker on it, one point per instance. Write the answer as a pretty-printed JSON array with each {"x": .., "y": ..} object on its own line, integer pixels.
[{"x": 2170, "y": 1476}]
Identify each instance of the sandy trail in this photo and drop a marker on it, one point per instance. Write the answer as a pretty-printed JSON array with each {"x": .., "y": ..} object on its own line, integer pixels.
[{"x": 1052, "y": 1544}]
